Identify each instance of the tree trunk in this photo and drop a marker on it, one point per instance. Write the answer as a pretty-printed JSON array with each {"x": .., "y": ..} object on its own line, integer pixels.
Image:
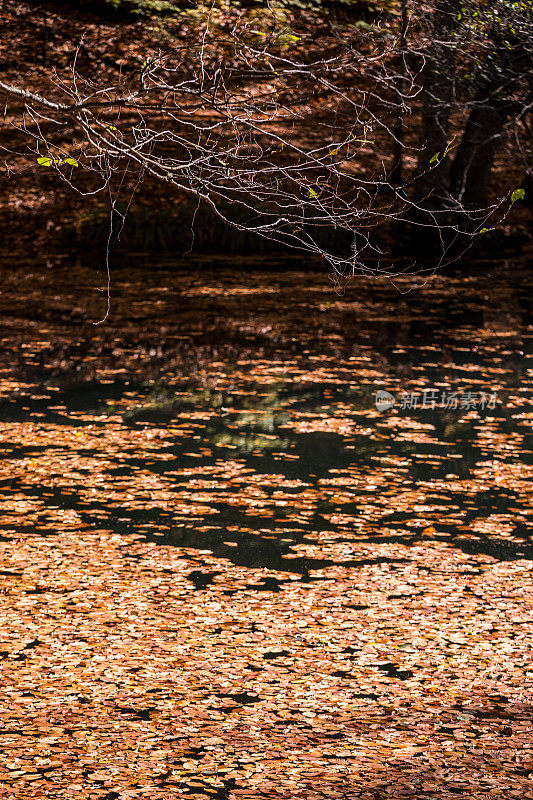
[
  {"x": 419, "y": 231},
  {"x": 472, "y": 166},
  {"x": 398, "y": 130},
  {"x": 438, "y": 97}
]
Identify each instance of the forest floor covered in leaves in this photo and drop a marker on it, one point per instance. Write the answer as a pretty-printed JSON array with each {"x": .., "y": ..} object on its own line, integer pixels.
[{"x": 226, "y": 573}]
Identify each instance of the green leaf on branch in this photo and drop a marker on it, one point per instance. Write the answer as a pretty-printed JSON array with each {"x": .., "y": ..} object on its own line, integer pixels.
[
  {"x": 434, "y": 158},
  {"x": 287, "y": 39},
  {"x": 45, "y": 161},
  {"x": 518, "y": 194}
]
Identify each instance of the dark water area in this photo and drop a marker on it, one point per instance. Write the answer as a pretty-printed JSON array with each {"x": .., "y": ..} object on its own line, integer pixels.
[{"x": 233, "y": 411}]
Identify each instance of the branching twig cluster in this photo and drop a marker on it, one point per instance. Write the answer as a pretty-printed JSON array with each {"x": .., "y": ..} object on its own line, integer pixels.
[{"x": 296, "y": 146}]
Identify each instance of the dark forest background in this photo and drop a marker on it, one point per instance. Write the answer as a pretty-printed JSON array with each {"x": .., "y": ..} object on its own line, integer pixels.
[{"x": 461, "y": 143}]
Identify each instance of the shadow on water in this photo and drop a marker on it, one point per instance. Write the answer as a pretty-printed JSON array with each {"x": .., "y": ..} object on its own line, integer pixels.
[{"x": 268, "y": 434}]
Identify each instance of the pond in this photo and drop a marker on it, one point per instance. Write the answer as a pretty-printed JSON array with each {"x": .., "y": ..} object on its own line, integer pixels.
[
  {"x": 245, "y": 404},
  {"x": 281, "y": 510}
]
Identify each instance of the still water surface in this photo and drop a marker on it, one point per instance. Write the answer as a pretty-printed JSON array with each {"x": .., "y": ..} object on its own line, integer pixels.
[
  {"x": 226, "y": 573},
  {"x": 233, "y": 411}
]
